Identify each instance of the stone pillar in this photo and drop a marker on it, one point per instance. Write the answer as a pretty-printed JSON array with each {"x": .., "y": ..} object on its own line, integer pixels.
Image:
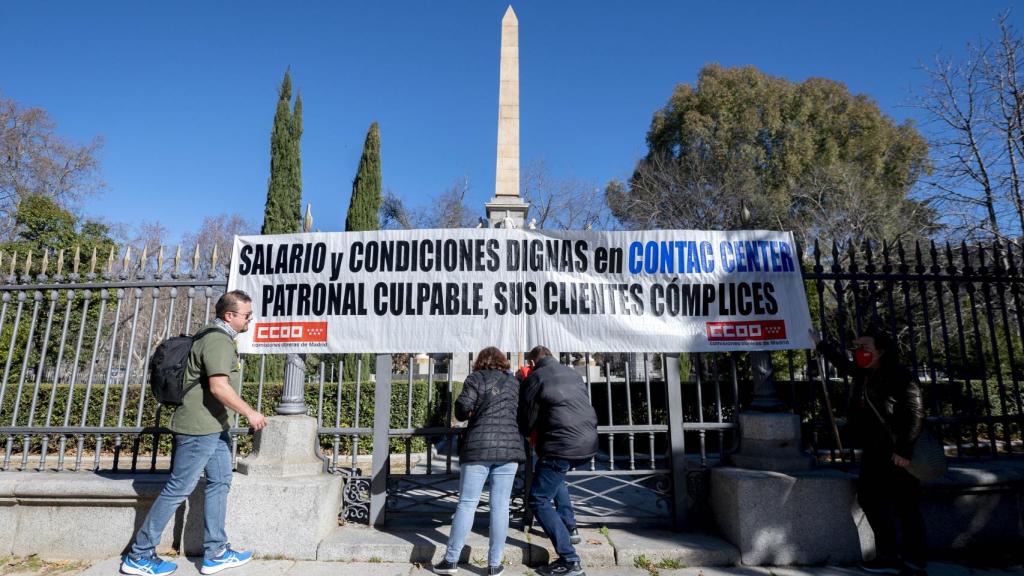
[
  {"x": 771, "y": 441},
  {"x": 281, "y": 501}
]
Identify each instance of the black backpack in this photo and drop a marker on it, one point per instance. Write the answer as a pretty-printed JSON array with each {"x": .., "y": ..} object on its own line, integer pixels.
[{"x": 167, "y": 368}]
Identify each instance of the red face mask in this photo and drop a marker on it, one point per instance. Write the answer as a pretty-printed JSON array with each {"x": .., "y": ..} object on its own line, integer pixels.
[
  {"x": 524, "y": 371},
  {"x": 863, "y": 358}
]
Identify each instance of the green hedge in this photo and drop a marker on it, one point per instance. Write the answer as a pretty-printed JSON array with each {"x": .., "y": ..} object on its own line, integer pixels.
[{"x": 436, "y": 408}]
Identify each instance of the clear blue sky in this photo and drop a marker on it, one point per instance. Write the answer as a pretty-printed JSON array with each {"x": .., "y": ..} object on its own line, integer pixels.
[{"x": 184, "y": 92}]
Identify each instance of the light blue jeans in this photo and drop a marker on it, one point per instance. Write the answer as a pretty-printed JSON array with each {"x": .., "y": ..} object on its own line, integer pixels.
[
  {"x": 192, "y": 456},
  {"x": 471, "y": 485}
]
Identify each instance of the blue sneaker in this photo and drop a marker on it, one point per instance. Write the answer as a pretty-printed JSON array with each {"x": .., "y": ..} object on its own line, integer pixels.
[
  {"x": 147, "y": 566},
  {"x": 228, "y": 559}
]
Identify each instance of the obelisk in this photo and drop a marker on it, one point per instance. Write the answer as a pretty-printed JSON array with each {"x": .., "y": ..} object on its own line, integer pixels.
[{"x": 507, "y": 208}]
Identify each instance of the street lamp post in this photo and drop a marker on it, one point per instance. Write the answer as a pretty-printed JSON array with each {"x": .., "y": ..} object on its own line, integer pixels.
[
  {"x": 293, "y": 397},
  {"x": 766, "y": 394}
]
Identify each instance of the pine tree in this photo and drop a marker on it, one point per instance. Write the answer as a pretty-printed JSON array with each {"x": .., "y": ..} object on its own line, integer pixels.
[
  {"x": 364, "y": 214},
  {"x": 364, "y": 207},
  {"x": 283, "y": 208}
]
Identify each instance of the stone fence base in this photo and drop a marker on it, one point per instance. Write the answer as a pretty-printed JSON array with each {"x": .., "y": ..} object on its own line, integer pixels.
[
  {"x": 86, "y": 516},
  {"x": 806, "y": 517},
  {"x": 812, "y": 517}
]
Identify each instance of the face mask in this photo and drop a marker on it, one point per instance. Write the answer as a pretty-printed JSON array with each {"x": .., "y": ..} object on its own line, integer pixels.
[{"x": 863, "y": 358}]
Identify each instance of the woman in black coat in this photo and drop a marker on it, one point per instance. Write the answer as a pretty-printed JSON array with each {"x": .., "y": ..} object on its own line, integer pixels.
[
  {"x": 491, "y": 448},
  {"x": 887, "y": 415}
]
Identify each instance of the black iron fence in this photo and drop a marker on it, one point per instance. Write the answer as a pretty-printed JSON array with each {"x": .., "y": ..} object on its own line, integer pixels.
[
  {"x": 73, "y": 350},
  {"x": 955, "y": 313}
]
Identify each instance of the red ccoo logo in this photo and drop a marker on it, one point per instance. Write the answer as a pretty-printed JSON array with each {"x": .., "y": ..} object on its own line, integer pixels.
[
  {"x": 746, "y": 331},
  {"x": 277, "y": 332}
]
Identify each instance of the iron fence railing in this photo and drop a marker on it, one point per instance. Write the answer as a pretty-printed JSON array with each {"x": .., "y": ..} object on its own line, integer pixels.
[
  {"x": 956, "y": 315},
  {"x": 73, "y": 387}
]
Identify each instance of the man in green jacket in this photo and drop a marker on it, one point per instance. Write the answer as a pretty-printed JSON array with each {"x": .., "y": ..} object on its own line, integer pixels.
[{"x": 203, "y": 444}]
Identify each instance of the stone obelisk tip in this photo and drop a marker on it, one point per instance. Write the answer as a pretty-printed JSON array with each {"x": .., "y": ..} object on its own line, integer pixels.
[
  {"x": 507, "y": 181},
  {"x": 507, "y": 209}
]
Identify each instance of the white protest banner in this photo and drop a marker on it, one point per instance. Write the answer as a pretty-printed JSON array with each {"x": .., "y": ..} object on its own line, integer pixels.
[{"x": 462, "y": 290}]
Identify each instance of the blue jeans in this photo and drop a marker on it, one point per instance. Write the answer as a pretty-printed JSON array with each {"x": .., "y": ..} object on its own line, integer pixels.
[
  {"x": 549, "y": 501},
  {"x": 193, "y": 455},
  {"x": 471, "y": 485}
]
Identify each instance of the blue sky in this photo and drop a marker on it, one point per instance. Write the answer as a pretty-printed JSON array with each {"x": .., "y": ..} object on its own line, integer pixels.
[{"x": 184, "y": 92}]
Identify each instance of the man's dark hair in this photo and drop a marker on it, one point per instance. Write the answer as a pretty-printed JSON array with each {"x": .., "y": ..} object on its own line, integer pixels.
[
  {"x": 491, "y": 358},
  {"x": 229, "y": 302},
  {"x": 537, "y": 353}
]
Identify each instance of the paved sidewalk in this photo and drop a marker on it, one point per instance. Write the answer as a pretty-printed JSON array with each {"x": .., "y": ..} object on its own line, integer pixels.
[
  {"x": 425, "y": 543},
  {"x": 189, "y": 567}
]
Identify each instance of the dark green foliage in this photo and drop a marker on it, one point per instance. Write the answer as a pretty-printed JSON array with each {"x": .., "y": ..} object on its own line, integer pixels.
[
  {"x": 424, "y": 413},
  {"x": 284, "y": 189},
  {"x": 283, "y": 210},
  {"x": 809, "y": 156},
  {"x": 43, "y": 226},
  {"x": 364, "y": 214},
  {"x": 296, "y": 169},
  {"x": 364, "y": 207},
  {"x": 351, "y": 368}
]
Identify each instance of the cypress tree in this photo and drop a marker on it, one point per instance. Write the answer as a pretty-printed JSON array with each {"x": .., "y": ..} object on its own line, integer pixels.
[
  {"x": 284, "y": 188},
  {"x": 364, "y": 214},
  {"x": 281, "y": 214},
  {"x": 296, "y": 167},
  {"x": 364, "y": 207}
]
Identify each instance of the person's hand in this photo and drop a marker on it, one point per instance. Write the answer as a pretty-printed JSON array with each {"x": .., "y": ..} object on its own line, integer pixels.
[
  {"x": 900, "y": 461},
  {"x": 256, "y": 420},
  {"x": 815, "y": 336}
]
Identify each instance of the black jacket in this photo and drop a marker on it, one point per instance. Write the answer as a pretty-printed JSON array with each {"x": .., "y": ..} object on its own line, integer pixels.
[
  {"x": 554, "y": 402},
  {"x": 894, "y": 392},
  {"x": 489, "y": 401}
]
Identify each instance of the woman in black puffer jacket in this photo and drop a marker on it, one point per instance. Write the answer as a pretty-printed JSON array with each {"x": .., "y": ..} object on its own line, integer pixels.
[{"x": 491, "y": 448}]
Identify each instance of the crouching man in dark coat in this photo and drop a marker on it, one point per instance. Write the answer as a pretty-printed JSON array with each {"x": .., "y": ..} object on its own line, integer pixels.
[{"x": 554, "y": 405}]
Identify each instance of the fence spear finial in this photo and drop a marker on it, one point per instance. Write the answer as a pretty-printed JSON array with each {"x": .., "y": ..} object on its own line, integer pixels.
[
  {"x": 45, "y": 264},
  {"x": 76, "y": 260},
  {"x": 28, "y": 263},
  {"x": 213, "y": 260},
  {"x": 159, "y": 260},
  {"x": 110, "y": 260},
  {"x": 195, "y": 261},
  {"x": 143, "y": 258},
  {"x": 60, "y": 261},
  {"x": 307, "y": 223},
  {"x": 177, "y": 260}
]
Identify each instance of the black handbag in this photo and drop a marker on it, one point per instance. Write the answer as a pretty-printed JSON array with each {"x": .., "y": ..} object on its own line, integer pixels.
[{"x": 928, "y": 461}]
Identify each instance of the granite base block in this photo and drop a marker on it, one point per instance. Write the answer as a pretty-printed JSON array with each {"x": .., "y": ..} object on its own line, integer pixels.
[{"x": 778, "y": 518}]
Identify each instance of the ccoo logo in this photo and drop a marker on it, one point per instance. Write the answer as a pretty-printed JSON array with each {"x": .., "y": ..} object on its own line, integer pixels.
[
  {"x": 748, "y": 331},
  {"x": 278, "y": 332}
]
